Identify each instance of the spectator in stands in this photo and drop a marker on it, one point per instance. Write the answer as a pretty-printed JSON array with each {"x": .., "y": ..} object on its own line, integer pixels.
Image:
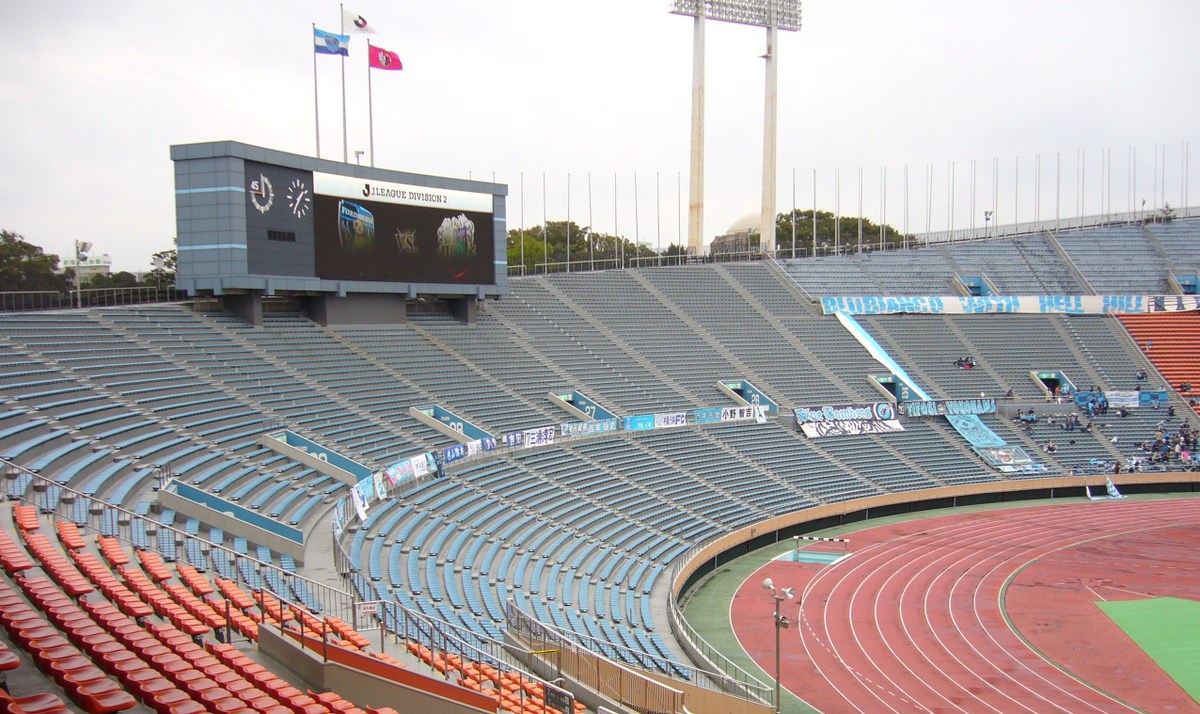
[
  {"x": 1185, "y": 387},
  {"x": 1122, "y": 412},
  {"x": 1009, "y": 393},
  {"x": 1171, "y": 410},
  {"x": 1102, "y": 403},
  {"x": 1050, "y": 447},
  {"x": 1141, "y": 375}
]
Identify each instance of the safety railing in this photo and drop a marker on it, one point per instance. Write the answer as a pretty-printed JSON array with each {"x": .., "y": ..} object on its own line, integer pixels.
[
  {"x": 611, "y": 679},
  {"x": 143, "y": 532}
]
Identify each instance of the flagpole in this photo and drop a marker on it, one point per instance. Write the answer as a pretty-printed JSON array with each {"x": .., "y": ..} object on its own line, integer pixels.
[
  {"x": 345, "y": 142},
  {"x": 316, "y": 110},
  {"x": 370, "y": 104}
]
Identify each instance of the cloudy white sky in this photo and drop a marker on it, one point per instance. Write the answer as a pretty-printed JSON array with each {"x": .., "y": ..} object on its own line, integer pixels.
[{"x": 94, "y": 93}]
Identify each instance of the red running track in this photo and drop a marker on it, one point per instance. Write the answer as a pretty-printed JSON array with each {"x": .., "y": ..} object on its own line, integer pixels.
[{"x": 913, "y": 620}]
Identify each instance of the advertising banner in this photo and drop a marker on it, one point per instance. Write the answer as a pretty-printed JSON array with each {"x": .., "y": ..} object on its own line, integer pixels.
[{"x": 847, "y": 419}]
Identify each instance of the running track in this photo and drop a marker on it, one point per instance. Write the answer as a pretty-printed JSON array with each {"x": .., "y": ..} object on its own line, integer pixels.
[{"x": 912, "y": 622}]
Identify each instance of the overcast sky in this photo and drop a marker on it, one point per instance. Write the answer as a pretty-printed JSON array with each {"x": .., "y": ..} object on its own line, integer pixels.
[{"x": 94, "y": 93}]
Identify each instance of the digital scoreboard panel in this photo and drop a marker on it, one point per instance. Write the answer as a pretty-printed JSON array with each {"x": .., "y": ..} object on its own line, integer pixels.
[
  {"x": 374, "y": 230},
  {"x": 255, "y": 219}
]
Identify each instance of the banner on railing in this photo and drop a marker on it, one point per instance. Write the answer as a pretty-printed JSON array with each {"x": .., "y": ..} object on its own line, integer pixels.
[
  {"x": 1009, "y": 459},
  {"x": 1028, "y": 304},
  {"x": 403, "y": 469},
  {"x": 361, "y": 494},
  {"x": 642, "y": 422},
  {"x": 541, "y": 436},
  {"x": 942, "y": 407},
  {"x": 450, "y": 454},
  {"x": 338, "y": 517},
  {"x": 585, "y": 428},
  {"x": 847, "y": 419},
  {"x": 672, "y": 419},
  {"x": 723, "y": 414}
]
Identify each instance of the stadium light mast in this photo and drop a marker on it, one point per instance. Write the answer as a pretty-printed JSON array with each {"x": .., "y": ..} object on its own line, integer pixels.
[
  {"x": 774, "y": 15},
  {"x": 779, "y": 595}
]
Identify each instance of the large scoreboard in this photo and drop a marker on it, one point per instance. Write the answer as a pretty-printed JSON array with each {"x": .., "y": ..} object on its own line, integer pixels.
[{"x": 254, "y": 219}]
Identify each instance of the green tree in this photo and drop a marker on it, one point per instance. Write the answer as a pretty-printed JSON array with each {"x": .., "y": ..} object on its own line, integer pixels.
[
  {"x": 163, "y": 274},
  {"x": 548, "y": 244},
  {"x": 829, "y": 236},
  {"x": 24, "y": 267},
  {"x": 120, "y": 279}
]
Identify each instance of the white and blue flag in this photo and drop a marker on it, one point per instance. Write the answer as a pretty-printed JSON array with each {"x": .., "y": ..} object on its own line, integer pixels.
[{"x": 328, "y": 43}]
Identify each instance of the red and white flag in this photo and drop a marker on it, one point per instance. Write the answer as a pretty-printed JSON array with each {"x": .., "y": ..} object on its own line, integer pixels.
[
  {"x": 353, "y": 22},
  {"x": 383, "y": 59}
]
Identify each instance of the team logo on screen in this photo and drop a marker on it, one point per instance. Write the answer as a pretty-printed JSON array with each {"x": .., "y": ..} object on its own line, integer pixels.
[
  {"x": 262, "y": 194},
  {"x": 356, "y": 226},
  {"x": 456, "y": 236},
  {"x": 406, "y": 241}
]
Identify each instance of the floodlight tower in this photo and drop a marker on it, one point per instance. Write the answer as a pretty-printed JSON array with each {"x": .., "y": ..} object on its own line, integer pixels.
[{"x": 774, "y": 15}]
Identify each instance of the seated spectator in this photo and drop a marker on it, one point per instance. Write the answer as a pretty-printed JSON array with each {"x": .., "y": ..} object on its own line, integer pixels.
[
  {"x": 1141, "y": 375},
  {"x": 1185, "y": 387},
  {"x": 1009, "y": 393},
  {"x": 1122, "y": 412},
  {"x": 1050, "y": 447}
]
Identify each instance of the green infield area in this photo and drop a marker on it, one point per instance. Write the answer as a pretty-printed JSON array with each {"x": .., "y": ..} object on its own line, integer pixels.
[{"x": 1165, "y": 628}]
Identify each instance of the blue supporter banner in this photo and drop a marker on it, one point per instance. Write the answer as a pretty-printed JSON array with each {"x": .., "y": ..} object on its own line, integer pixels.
[
  {"x": 642, "y": 422},
  {"x": 943, "y": 407},
  {"x": 1028, "y": 304},
  {"x": 450, "y": 454}
]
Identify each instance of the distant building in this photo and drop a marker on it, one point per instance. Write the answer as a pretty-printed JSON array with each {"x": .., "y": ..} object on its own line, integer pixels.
[{"x": 741, "y": 238}]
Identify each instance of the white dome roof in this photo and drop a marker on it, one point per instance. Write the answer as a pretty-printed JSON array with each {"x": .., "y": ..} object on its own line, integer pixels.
[{"x": 747, "y": 223}]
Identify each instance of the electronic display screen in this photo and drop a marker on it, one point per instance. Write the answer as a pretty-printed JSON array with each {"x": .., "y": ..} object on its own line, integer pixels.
[{"x": 396, "y": 233}]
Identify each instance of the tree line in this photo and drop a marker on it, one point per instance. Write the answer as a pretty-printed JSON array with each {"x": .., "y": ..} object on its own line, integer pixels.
[
  {"x": 25, "y": 267},
  {"x": 559, "y": 242}
]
